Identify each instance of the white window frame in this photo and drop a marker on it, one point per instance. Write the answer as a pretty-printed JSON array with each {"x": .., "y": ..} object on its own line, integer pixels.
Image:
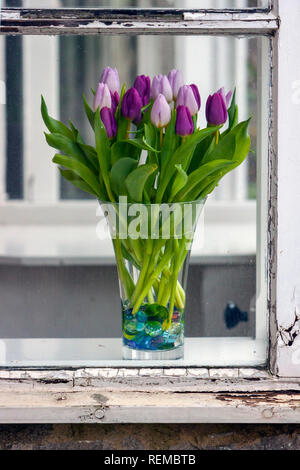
[{"x": 282, "y": 268}]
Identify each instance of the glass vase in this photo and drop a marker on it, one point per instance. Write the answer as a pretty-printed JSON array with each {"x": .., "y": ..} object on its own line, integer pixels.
[{"x": 152, "y": 245}]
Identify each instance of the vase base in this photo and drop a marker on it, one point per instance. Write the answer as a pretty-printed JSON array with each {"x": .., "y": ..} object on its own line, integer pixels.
[{"x": 143, "y": 354}]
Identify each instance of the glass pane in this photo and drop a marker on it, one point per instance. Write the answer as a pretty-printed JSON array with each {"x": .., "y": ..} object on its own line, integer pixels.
[
  {"x": 59, "y": 281},
  {"x": 215, "y": 4}
]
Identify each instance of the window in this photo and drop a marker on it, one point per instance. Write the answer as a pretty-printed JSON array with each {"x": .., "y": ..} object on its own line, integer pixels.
[{"x": 235, "y": 201}]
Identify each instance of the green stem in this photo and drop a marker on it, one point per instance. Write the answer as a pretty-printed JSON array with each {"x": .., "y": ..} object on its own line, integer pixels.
[
  {"x": 150, "y": 296},
  {"x": 150, "y": 279},
  {"x": 217, "y": 134},
  {"x": 176, "y": 269},
  {"x": 143, "y": 273}
]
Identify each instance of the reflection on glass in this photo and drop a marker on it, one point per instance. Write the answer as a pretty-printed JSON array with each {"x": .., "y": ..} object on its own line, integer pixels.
[{"x": 223, "y": 280}]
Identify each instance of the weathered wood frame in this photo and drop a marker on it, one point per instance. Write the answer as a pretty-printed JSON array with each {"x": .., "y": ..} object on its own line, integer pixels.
[{"x": 228, "y": 395}]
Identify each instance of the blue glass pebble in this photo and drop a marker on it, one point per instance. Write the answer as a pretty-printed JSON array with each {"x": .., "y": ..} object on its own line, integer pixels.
[
  {"x": 140, "y": 326},
  {"x": 141, "y": 317}
]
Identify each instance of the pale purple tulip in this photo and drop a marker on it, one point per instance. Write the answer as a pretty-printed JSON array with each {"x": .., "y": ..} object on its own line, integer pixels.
[
  {"x": 161, "y": 112},
  {"x": 176, "y": 80},
  {"x": 184, "y": 122},
  {"x": 161, "y": 85},
  {"x": 111, "y": 78},
  {"x": 186, "y": 97},
  {"x": 109, "y": 121},
  {"x": 227, "y": 98},
  {"x": 102, "y": 97}
]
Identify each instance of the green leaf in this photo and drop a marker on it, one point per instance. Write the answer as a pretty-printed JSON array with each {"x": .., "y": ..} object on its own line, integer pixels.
[
  {"x": 81, "y": 170},
  {"x": 53, "y": 125},
  {"x": 65, "y": 145},
  {"x": 179, "y": 182},
  {"x": 141, "y": 144},
  {"x": 136, "y": 180},
  {"x": 124, "y": 149},
  {"x": 195, "y": 178},
  {"x": 119, "y": 173},
  {"x": 151, "y": 137},
  {"x": 123, "y": 126},
  {"x": 169, "y": 143},
  {"x": 234, "y": 146},
  {"x": 76, "y": 181},
  {"x": 91, "y": 155},
  {"x": 180, "y": 155},
  {"x": 200, "y": 151},
  {"x": 89, "y": 112},
  {"x": 233, "y": 112},
  {"x": 129, "y": 257},
  {"x": 103, "y": 152},
  {"x": 118, "y": 110}
]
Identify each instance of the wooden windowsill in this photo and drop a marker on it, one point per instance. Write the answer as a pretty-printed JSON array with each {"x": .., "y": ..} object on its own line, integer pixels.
[{"x": 116, "y": 395}]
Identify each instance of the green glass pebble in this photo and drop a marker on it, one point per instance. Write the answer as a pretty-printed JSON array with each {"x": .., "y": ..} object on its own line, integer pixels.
[
  {"x": 157, "y": 312},
  {"x": 130, "y": 326},
  {"x": 153, "y": 328}
]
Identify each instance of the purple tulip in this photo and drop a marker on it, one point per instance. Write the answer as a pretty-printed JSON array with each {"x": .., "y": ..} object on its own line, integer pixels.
[
  {"x": 184, "y": 122},
  {"x": 109, "y": 121},
  {"x": 102, "y": 97},
  {"x": 227, "y": 98},
  {"x": 196, "y": 94},
  {"x": 132, "y": 105},
  {"x": 111, "y": 78},
  {"x": 187, "y": 97},
  {"x": 161, "y": 112},
  {"x": 161, "y": 85},
  {"x": 143, "y": 86},
  {"x": 216, "y": 111},
  {"x": 115, "y": 99},
  {"x": 176, "y": 80}
]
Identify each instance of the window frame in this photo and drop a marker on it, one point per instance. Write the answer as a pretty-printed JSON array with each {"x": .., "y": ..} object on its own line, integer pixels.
[{"x": 282, "y": 174}]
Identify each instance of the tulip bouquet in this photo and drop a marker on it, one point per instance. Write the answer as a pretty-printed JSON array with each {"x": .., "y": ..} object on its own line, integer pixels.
[{"x": 149, "y": 149}]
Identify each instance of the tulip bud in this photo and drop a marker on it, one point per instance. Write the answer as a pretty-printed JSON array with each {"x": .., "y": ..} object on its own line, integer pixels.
[
  {"x": 143, "y": 86},
  {"x": 111, "y": 78},
  {"x": 115, "y": 99},
  {"x": 176, "y": 81},
  {"x": 132, "y": 105},
  {"x": 102, "y": 97},
  {"x": 186, "y": 97},
  {"x": 184, "y": 122},
  {"x": 196, "y": 94},
  {"x": 216, "y": 111},
  {"x": 161, "y": 112},
  {"x": 227, "y": 98},
  {"x": 109, "y": 121},
  {"x": 161, "y": 85}
]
